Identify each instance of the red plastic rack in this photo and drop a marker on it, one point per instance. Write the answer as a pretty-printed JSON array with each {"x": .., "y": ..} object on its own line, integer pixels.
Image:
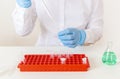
[{"x": 47, "y": 62}]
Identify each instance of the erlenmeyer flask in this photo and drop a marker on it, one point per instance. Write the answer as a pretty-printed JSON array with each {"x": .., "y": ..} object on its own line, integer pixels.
[{"x": 109, "y": 56}]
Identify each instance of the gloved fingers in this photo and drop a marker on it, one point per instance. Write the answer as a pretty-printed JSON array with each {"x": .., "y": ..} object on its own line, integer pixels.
[
  {"x": 70, "y": 37},
  {"x": 24, "y": 3},
  {"x": 69, "y": 42},
  {"x": 66, "y": 37},
  {"x": 71, "y": 46},
  {"x": 65, "y": 32}
]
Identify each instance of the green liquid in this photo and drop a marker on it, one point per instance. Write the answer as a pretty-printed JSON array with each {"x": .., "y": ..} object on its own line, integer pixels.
[{"x": 109, "y": 58}]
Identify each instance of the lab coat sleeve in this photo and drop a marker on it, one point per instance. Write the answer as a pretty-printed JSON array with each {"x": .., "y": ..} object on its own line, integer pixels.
[
  {"x": 95, "y": 25},
  {"x": 24, "y": 19}
]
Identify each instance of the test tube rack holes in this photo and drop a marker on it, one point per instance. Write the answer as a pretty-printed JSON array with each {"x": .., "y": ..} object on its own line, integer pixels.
[{"x": 46, "y": 62}]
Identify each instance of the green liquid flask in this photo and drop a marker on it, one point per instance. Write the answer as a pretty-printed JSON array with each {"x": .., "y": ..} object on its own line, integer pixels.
[{"x": 109, "y": 56}]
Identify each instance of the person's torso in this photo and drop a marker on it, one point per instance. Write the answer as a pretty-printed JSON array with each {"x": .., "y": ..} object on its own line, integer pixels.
[{"x": 56, "y": 15}]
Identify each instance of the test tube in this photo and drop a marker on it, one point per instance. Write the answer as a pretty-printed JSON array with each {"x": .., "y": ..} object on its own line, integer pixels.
[
  {"x": 67, "y": 55},
  {"x": 84, "y": 60},
  {"x": 52, "y": 56},
  {"x": 62, "y": 59}
]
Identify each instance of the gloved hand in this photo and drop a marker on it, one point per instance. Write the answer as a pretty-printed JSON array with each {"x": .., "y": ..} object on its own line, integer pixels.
[
  {"x": 72, "y": 37},
  {"x": 24, "y": 3}
]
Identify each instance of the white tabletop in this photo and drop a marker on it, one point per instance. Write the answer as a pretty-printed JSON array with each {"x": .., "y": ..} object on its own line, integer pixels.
[{"x": 10, "y": 57}]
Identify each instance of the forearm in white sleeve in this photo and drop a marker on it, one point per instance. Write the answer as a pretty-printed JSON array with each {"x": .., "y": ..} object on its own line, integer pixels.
[
  {"x": 95, "y": 25},
  {"x": 24, "y": 19}
]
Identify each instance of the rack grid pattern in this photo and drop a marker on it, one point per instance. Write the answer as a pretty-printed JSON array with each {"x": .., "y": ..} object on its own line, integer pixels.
[{"x": 47, "y": 62}]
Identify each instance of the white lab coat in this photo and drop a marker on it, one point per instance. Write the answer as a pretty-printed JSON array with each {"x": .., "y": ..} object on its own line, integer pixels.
[{"x": 56, "y": 15}]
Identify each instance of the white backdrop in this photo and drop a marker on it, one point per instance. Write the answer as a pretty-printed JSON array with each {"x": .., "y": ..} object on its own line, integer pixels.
[{"x": 8, "y": 37}]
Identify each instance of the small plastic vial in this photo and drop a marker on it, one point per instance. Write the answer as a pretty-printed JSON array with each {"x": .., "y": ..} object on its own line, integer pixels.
[
  {"x": 84, "y": 60},
  {"x": 62, "y": 60},
  {"x": 109, "y": 56}
]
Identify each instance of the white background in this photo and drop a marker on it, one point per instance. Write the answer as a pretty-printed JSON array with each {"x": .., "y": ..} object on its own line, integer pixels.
[{"x": 8, "y": 37}]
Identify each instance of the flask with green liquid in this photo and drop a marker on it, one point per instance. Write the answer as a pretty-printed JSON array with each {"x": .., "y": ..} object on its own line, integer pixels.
[{"x": 109, "y": 56}]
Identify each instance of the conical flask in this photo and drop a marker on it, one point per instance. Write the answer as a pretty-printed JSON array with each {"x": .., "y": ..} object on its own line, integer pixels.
[{"x": 109, "y": 56}]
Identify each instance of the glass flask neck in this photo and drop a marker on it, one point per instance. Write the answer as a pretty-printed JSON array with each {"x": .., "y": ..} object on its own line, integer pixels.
[{"x": 109, "y": 47}]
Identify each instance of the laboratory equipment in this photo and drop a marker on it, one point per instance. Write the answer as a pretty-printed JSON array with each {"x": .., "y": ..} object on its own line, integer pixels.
[
  {"x": 58, "y": 62},
  {"x": 63, "y": 59},
  {"x": 109, "y": 56}
]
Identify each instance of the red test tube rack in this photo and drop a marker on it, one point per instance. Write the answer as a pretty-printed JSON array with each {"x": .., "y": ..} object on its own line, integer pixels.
[{"x": 46, "y": 63}]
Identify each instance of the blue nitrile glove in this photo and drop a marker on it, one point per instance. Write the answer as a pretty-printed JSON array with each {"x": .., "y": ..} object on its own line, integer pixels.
[
  {"x": 72, "y": 37},
  {"x": 24, "y": 3}
]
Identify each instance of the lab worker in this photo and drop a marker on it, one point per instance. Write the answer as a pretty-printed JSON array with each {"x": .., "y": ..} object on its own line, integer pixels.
[{"x": 69, "y": 23}]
